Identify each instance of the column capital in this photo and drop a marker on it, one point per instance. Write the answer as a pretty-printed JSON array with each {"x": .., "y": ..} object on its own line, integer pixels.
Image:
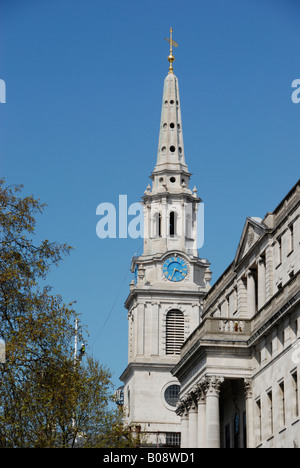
[
  {"x": 180, "y": 408},
  {"x": 200, "y": 390},
  {"x": 249, "y": 273},
  {"x": 261, "y": 260},
  {"x": 213, "y": 384}
]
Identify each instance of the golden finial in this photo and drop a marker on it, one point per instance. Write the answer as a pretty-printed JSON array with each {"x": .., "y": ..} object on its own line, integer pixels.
[{"x": 171, "y": 57}]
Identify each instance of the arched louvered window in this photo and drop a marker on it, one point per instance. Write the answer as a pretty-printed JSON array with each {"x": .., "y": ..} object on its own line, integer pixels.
[{"x": 174, "y": 331}]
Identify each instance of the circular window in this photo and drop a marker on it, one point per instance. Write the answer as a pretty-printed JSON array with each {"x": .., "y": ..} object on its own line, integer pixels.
[
  {"x": 172, "y": 179},
  {"x": 172, "y": 149},
  {"x": 180, "y": 149},
  {"x": 172, "y": 125},
  {"x": 172, "y": 394},
  {"x": 165, "y": 125},
  {"x": 163, "y": 150},
  {"x": 172, "y": 102}
]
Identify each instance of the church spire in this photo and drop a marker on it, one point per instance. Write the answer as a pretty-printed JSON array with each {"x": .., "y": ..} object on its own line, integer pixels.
[{"x": 170, "y": 154}]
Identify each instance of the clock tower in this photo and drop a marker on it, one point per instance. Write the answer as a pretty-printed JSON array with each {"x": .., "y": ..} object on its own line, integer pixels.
[{"x": 170, "y": 280}]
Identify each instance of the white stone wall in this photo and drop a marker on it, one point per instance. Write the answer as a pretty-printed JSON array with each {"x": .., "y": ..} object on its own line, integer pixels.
[
  {"x": 147, "y": 405},
  {"x": 278, "y": 427}
]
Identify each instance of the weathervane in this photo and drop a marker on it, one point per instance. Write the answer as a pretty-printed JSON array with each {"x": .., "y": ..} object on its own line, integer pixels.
[{"x": 171, "y": 57}]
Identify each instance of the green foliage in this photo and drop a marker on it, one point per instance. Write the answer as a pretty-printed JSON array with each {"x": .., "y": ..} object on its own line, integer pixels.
[{"x": 46, "y": 399}]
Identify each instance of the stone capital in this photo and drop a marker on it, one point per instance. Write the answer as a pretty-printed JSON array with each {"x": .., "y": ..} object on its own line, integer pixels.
[{"x": 213, "y": 384}]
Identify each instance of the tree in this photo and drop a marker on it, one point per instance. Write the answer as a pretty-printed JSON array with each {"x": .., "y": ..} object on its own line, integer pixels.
[{"x": 46, "y": 398}]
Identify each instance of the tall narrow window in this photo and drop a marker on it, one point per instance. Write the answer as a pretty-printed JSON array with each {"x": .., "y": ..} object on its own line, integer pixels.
[
  {"x": 291, "y": 238},
  {"x": 258, "y": 412},
  {"x": 279, "y": 255},
  {"x": 172, "y": 224},
  {"x": 174, "y": 331},
  {"x": 295, "y": 391},
  {"x": 282, "y": 403},
  {"x": 157, "y": 225},
  {"x": 270, "y": 408}
]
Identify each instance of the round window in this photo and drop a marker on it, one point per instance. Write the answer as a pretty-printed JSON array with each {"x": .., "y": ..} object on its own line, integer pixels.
[{"x": 172, "y": 394}]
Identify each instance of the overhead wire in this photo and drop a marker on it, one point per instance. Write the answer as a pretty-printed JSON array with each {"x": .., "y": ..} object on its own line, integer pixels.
[{"x": 115, "y": 301}]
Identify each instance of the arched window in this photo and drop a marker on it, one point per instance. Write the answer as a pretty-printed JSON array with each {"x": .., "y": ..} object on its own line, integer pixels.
[
  {"x": 172, "y": 224},
  {"x": 174, "y": 331}
]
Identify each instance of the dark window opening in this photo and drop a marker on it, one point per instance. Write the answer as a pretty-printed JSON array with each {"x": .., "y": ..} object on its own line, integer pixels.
[
  {"x": 172, "y": 224},
  {"x": 159, "y": 225}
]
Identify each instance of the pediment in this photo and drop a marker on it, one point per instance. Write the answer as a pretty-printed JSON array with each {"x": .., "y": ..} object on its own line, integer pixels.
[{"x": 253, "y": 230}]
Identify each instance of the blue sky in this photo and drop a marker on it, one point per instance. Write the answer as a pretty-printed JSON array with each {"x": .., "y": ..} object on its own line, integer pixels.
[{"x": 84, "y": 82}]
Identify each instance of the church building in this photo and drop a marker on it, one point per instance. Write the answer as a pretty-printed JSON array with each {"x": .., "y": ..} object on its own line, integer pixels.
[
  {"x": 239, "y": 371},
  {"x": 211, "y": 367},
  {"x": 164, "y": 304}
]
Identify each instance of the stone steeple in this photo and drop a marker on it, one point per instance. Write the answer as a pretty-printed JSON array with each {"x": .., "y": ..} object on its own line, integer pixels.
[
  {"x": 170, "y": 206},
  {"x": 170, "y": 154}
]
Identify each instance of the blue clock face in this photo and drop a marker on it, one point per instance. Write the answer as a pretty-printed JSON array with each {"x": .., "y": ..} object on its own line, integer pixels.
[{"x": 175, "y": 269}]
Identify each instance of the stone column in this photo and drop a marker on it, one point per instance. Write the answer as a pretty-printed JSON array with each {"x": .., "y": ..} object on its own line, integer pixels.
[
  {"x": 261, "y": 280},
  {"x": 185, "y": 429},
  {"x": 201, "y": 417},
  {"x": 182, "y": 411},
  {"x": 269, "y": 271},
  {"x": 212, "y": 411},
  {"x": 193, "y": 422},
  {"x": 242, "y": 297},
  {"x": 249, "y": 413},
  {"x": 251, "y": 299}
]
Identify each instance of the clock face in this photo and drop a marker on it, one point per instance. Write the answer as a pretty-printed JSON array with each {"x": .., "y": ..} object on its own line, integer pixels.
[{"x": 175, "y": 269}]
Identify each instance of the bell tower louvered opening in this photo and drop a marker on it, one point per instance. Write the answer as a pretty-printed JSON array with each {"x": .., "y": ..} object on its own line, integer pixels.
[{"x": 174, "y": 331}]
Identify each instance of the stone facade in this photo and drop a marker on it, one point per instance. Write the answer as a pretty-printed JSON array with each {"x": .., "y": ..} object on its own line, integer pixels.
[{"x": 239, "y": 369}]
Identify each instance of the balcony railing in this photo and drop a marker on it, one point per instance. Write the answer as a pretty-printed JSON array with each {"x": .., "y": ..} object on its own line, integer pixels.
[{"x": 222, "y": 328}]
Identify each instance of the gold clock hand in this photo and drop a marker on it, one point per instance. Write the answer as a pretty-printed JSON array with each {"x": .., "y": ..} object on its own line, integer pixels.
[{"x": 175, "y": 269}]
